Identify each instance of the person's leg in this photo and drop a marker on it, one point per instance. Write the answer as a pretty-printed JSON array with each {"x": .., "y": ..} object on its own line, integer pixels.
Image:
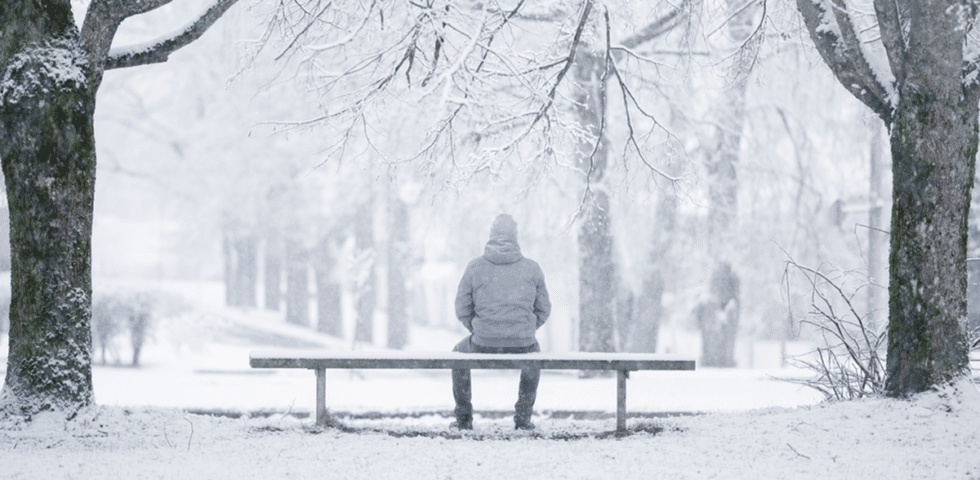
[
  {"x": 527, "y": 394},
  {"x": 463, "y": 390}
]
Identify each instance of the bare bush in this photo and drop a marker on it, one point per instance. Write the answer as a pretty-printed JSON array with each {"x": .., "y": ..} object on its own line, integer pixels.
[
  {"x": 113, "y": 315},
  {"x": 851, "y": 365},
  {"x": 105, "y": 326}
]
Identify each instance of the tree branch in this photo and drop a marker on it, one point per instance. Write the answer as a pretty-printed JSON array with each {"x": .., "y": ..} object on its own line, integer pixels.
[
  {"x": 103, "y": 18},
  {"x": 158, "y": 51},
  {"x": 657, "y": 28},
  {"x": 568, "y": 61},
  {"x": 890, "y": 28},
  {"x": 840, "y": 50},
  {"x": 129, "y": 8}
]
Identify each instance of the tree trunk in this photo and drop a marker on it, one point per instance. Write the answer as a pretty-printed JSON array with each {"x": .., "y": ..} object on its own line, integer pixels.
[
  {"x": 248, "y": 270},
  {"x": 47, "y": 146},
  {"x": 398, "y": 258},
  {"x": 650, "y": 311},
  {"x": 934, "y": 148},
  {"x": 328, "y": 290},
  {"x": 297, "y": 284},
  {"x": 718, "y": 319},
  {"x": 140, "y": 318},
  {"x": 273, "y": 272},
  {"x": 241, "y": 266},
  {"x": 597, "y": 269},
  {"x": 364, "y": 295},
  {"x": 719, "y": 327},
  {"x": 625, "y": 319},
  {"x": 596, "y": 277},
  {"x": 718, "y": 331}
]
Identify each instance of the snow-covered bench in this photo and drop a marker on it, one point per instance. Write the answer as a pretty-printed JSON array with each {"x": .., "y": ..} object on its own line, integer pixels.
[{"x": 320, "y": 360}]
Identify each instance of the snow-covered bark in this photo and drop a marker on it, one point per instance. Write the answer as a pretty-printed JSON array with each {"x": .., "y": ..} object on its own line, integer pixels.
[
  {"x": 398, "y": 271},
  {"x": 718, "y": 314},
  {"x": 49, "y": 76},
  {"x": 328, "y": 288},
  {"x": 649, "y": 303},
  {"x": 47, "y": 145},
  {"x": 929, "y": 102},
  {"x": 597, "y": 268},
  {"x": 604, "y": 305},
  {"x": 240, "y": 247},
  {"x": 272, "y": 271},
  {"x": 365, "y": 295},
  {"x": 297, "y": 282}
]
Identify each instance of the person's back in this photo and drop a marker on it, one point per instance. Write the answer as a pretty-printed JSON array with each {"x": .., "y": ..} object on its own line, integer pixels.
[{"x": 502, "y": 300}]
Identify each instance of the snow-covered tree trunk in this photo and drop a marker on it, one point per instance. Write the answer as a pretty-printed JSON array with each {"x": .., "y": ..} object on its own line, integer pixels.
[
  {"x": 398, "y": 266},
  {"x": 649, "y": 304},
  {"x": 328, "y": 289},
  {"x": 272, "y": 271},
  {"x": 297, "y": 283},
  {"x": 927, "y": 95},
  {"x": 364, "y": 276},
  {"x": 47, "y": 146},
  {"x": 241, "y": 266},
  {"x": 719, "y": 313},
  {"x": 934, "y": 148},
  {"x": 718, "y": 318},
  {"x": 597, "y": 268}
]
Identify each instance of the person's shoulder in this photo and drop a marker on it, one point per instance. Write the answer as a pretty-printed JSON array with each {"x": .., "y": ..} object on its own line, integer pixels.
[
  {"x": 531, "y": 263},
  {"x": 477, "y": 263}
]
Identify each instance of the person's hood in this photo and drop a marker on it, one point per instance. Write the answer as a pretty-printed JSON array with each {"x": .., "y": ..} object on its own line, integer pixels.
[{"x": 502, "y": 249}]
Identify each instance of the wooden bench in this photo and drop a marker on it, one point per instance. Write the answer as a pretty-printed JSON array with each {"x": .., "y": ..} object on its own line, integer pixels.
[{"x": 320, "y": 360}]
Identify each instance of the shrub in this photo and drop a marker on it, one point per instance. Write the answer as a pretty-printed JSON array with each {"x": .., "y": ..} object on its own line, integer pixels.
[
  {"x": 851, "y": 365},
  {"x": 121, "y": 313}
]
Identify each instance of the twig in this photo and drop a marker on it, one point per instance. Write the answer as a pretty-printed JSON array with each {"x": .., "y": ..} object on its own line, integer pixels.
[
  {"x": 850, "y": 366},
  {"x": 797, "y": 453},
  {"x": 191, "y": 436}
]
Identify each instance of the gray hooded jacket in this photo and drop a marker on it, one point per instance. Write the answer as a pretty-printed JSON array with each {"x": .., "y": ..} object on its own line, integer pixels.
[{"x": 502, "y": 298}]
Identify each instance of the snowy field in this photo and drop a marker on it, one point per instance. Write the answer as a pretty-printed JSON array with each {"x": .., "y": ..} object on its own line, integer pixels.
[{"x": 711, "y": 423}]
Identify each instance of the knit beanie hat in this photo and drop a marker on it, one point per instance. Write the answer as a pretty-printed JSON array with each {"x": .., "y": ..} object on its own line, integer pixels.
[{"x": 504, "y": 225}]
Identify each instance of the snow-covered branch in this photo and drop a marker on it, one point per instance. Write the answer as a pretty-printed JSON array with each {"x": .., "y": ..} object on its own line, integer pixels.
[
  {"x": 892, "y": 35},
  {"x": 833, "y": 34},
  {"x": 158, "y": 51},
  {"x": 657, "y": 28}
]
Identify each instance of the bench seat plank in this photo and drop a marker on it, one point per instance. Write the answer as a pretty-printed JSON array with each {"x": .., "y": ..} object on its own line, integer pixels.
[{"x": 314, "y": 359}]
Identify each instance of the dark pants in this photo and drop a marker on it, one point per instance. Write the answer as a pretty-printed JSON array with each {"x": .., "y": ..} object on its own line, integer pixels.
[{"x": 463, "y": 385}]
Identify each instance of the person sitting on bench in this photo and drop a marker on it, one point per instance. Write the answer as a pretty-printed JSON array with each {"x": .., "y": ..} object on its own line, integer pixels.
[{"x": 502, "y": 300}]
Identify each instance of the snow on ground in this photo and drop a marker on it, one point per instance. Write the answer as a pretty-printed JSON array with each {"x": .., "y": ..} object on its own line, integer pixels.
[
  {"x": 737, "y": 423},
  {"x": 933, "y": 436}
]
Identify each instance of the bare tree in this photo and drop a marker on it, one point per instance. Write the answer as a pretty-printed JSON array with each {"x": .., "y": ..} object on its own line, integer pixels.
[
  {"x": 718, "y": 315},
  {"x": 914, "y": 64},
  {"x": 51, "y": 72},
  {"x": 519, "y": 85}
]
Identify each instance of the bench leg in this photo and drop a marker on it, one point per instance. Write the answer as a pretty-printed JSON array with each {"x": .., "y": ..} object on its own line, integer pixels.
[
  {"x": 321, "y": 397},
  {"x": 621, "y": 376}
]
